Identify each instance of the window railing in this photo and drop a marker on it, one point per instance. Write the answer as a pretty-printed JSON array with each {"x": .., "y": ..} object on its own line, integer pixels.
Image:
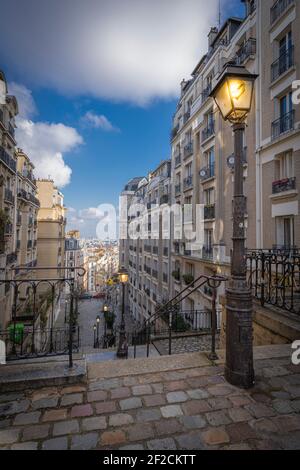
[
  {"x": 205, "y": 93},
  {"x": 8, "y": 160},
  {"x": 188, "y": 182},
  {"x": 209, "y": 211},
  {"x": 177, "y": 159},
  {"x": 282, "y": 64},
  {"x": 8, "y": 195},
  {"x": 284, "y": 124},
  {"x": 188, "y": 150},
  {"x": 208, "y": 131},
  {"x": 247, "y": 50},
  {"x": 286, "y": 184},
  {"x": 207, "y": 172},
  {"x": 177, "y": 189},
  {"x": 207, "y": 252},
  {"x": 279, "y": 8}
]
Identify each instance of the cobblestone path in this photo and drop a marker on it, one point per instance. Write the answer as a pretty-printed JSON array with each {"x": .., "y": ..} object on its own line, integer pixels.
[{"x": 191, "y": 408}]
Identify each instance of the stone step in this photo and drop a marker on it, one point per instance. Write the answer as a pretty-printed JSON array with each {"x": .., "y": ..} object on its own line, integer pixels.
[{"x": 21, "y": 376}]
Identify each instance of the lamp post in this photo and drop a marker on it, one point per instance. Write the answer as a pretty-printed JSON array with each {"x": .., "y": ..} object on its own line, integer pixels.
[
  {"x": 122, "y": 350},
  {"x": 105, "y": 310},
  {"x": 66, "y": 305},
  {"x": 94, "y": 328},
  {"x": 98, "y": 325},
  {"x": 233, "y": 96}
]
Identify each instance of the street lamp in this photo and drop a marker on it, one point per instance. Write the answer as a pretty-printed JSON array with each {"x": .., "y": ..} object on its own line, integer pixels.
[
  {"x": 66, "y": 305},
  {"x": 233, "y": 96},
  {"x": 98, "y": 324},
  {"x": 94, "y": 328},
  {"x": 122, "y": 350}
]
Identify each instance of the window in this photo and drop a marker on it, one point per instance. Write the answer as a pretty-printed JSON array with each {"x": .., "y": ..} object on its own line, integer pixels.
[
  {"x": 284, "y": 166},
  {"x": 209, "y": 196},
  {"x": 285, "y": 231},
  {"x": 188, "y": 170},
  {"x": 285, "y": 105},
  {"x": 210, "y": 158}
]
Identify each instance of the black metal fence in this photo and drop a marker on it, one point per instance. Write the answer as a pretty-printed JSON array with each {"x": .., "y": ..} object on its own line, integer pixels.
[
  {"x": 30, "y": 343},
  {"x": 274, "y": 277},
  {"x": 36, "y": 303}
]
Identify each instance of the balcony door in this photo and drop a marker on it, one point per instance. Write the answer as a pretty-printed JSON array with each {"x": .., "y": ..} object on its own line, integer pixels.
[{"x": 285, "y": 232}]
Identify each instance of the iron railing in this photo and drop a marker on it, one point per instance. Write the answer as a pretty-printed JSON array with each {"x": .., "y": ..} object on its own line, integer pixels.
[
  {"x": 207, "y": 172},
  {"x": 31, "y": 331},
  {"x": 167, "y": 319},
  {"x": 286, "y": 184},
  {"x": 274, "y": 277},
  {"x": 248, "y": 49},
  {"x": 279, "y": 8},
  {"x": 282, "y": 64},
  {"x": 205, "y": 93},
  {"x": 208, "y": 132},
  {"x": 284, "y": 124},
  {"x": 209, "y": 211},
  {"x": 8, "y": 160},
  {"x": 188, "y": 182}
]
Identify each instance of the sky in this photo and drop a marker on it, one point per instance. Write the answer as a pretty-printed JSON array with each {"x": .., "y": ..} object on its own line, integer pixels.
[{"x": 97, "y": 83}]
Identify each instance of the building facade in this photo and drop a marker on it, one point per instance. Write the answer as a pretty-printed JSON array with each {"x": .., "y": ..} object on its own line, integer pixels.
[
  {"x": 267, "y": 42},
  {"x": 8, "y": 198},
  {"x": 51, "y": 230}
]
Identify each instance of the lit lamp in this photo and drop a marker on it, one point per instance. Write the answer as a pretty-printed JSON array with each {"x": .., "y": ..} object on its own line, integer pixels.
[
  {"x": 122, "y": 349},
  {"x": 233, "y": 96},
  {"x": 94, "y": 328}
]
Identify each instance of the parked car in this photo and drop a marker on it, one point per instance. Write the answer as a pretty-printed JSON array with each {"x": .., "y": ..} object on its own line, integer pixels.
[
  {"x": 99, "y": 295},
  {"x": 85, "y": 296}
]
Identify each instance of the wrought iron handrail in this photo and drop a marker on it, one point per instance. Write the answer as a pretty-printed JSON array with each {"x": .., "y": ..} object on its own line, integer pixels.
[{"x": 274, "y": 277}]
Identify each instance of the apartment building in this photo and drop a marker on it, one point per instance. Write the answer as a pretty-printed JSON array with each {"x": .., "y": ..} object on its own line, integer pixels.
[
  {"x": 8, "y": 194},
  {"x": 278, "y": 131},
  {"x": 266, "y": 42},
  {"x": 51, "y": 230},
  {"x": 203, "y": 161},
  {"x": 74, "y": 258},
  {"x": 149, "y": 244}
]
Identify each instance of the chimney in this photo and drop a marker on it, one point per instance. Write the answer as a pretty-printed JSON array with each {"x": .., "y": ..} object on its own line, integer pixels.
[{"x": 212, "y": 36}]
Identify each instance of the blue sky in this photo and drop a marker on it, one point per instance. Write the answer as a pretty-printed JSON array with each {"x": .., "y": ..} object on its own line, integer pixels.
[{"x": 117, "y": 125}]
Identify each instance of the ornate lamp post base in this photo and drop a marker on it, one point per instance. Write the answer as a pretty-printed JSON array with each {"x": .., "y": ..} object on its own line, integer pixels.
[{"x": 239, "y": 369}]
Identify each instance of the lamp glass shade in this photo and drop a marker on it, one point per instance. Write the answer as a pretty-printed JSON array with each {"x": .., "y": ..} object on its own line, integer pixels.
[
  {"x": 105, "y": 308},
  {"x": 233, "y": 93},
  {"x": 123, "y": 275}
]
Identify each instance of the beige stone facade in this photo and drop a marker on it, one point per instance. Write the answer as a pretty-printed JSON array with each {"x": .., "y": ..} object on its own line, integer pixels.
[{"x": 51, "y": 230}]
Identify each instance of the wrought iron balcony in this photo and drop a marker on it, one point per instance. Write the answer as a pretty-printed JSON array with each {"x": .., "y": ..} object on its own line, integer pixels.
[
  {"x": 8, "y": 160},
  {"x": 22, "y": 194},
  {"x": 205, "y": 93},
  {"x": 188, "y": 182},
  {"x": 164, "y": 199},
  {"x": 207, "y": 172},
  {"x": 286, "y": 184},
  {"x": 177, "y": 160},
  {"x": 177, "y": 189},
  {"x": 247, "y": 50},
  {"x": 11, "y": 130},
  {"x": 154, "y": 273},
  {"x": 209, "y": 211},
  {"x": 8, "y": 229},
  {"x": 8, "y": 196},
  {"x": 284, "y": 124},
  {"x": 207, "y": 252},
  {"x": 208, "y": 131},
  {"x": 174, "y": 131},
  {"x": 188, "y": 150},
  {"x": 11, "y": 258},
  {"x": 279, "y": 8},
  {"x": 186, "y": 116},
  {"x": 282, "y": 64}
]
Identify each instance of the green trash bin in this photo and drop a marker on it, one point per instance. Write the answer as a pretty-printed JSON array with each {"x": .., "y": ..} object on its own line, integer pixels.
[{"x": 18, "y": 331}]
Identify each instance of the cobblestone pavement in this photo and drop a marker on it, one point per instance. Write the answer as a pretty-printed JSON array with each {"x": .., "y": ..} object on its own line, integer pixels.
[
  {"x": 191, "y": 408},
  {"x": 185, "y": 344}
]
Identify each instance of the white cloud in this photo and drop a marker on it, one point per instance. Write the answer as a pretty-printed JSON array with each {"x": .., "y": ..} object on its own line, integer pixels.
[
  {"x": 132, "y": 50},
  {"x": 45, "y": 143},
  {"x": 99, "y": 122},
  {"x": 27, "y": 107},
  {"x": 91, "y": 213}
]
